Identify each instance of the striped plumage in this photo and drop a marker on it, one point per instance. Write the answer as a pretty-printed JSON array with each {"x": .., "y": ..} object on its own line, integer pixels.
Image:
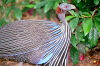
[{"x": 36, "y": 42}]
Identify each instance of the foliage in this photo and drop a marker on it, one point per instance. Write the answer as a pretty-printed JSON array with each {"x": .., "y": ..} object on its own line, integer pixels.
[
  {"x": 11, "y": 10},
  {"x": 47, "y": 7},
  {"x": 74, "y": 55},
  {"x": 86, "y": 33},
  {"x": 88, "y": 17}
]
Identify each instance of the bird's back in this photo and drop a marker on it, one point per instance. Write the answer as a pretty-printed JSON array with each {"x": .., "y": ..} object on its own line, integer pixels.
[{"x": 28, "y": 40}]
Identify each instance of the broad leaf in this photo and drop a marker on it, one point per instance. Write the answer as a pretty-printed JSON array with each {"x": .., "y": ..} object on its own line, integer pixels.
[
  {"x": 64, "y": 0},
  {"x": 24, "y": 3},
  {"x": 55, "y": 5},
  {"x": 9, "y": 1},
  {"x": 74, "y": 13},
  {"x": 4, "y": 1},
  {"x": 30, "y": 5},
  {"x": 87, "y": 25},
  {"x": 8, "y": 10},
  {"x": 82, "y": 47},
  {"x": 73, "y": 40},
  {"x": 97, "y": 23},
  {"x": 40, "y": 4},
  {"x": 86, "y": 13},
  {"x": 74, "y": 55},
  {"x": 73, "y": 23},
  {"x": 79, "y": 34},
  {"x": 18, "y": 13},
  {"x": 2, "y": 8},
  {"x": 99, "y": 34},
  {"x": 78, "y": 1},
  {"x": 48, "y": 6},
  {"x": 3, "y": 22},
  {"x": 93, "y": 37},
  {"x": 69, "y": 17},
  {"x": 96, "y": 2}
]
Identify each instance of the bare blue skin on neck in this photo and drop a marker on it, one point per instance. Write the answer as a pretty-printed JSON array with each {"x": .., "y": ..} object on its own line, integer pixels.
[{"x": 62, "y": 18}]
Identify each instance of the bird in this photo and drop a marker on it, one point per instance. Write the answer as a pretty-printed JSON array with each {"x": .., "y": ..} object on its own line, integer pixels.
[{"x": 40, "y": 42}]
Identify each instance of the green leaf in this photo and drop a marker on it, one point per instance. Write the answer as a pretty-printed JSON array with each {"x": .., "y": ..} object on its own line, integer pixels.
[
  {"x": 48, "y": 6},
  {"x": 86, "y": 13},
  {"x": 24, "y": 3},
  {"x": 4, "y": 1},
  {"x": 96, "y": 2},
  {"x": 8, "y": 10},
  {"x": 78, "y": 1},
  {"x": 74, "y": 13},
  {"x": 3, "y": 22},
  {"x": 64, "y": 0},
  {"x": 9, "y": 1},
  {"x": 48, "y": 14},
  {"x": 79, "y": 34},
  {"x": 82, "y": 47},
  {"x": 30, "y": 5},
  {"x": 97, "y": 23},
  {"x": 2, "y": 8},
  {"x": 73, "y": 40},
  {"x": 73, "y": 23},
  {"x": 55, "y": 5},
  {"x": 25, "y": 9},
  {"x": 93, "y": 37},
  {"x": 18, "y": 13},
  {"x": 69, "y": 17},
  {"x": 74, "y": 55},
  {"x": 99, "y": 34},
  {"x": 87, "y": 25},
  {"x": 40, "y": 4}
]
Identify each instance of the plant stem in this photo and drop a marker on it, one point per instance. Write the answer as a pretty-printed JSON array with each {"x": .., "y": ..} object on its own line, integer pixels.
[{"x": 94, "y": 12}]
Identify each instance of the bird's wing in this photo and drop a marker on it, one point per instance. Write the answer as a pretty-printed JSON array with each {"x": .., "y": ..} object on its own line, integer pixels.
[{"x": 25, "y": 36}]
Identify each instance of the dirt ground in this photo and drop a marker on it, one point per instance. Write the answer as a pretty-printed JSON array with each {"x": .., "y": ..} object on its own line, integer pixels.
[{"x": 92, "y": 57}]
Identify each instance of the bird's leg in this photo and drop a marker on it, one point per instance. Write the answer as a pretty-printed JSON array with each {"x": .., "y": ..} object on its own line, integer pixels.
[{"x": 20, "y": 64}]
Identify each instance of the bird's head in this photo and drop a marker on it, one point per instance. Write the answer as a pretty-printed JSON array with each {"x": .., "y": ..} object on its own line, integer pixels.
[{"x": 64, "y": 7}]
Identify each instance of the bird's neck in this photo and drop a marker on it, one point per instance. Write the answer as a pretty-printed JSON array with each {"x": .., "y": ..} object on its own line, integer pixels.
[
  {"x": 62, "y": 18},
  {"x": 64, "y": 24}
]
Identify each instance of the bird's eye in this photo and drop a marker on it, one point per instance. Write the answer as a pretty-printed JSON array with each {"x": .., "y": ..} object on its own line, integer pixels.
[{"x": 66, "y": 6}]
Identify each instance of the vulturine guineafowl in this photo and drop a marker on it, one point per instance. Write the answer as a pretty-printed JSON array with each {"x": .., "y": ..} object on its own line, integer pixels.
[{"x": 37, "y": 42}]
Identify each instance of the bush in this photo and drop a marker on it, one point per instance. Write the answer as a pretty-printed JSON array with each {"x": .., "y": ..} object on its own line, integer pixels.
[{"x": 11, "y": 10}]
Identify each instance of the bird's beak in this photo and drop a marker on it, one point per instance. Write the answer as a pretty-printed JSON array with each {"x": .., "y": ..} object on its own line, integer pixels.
[{"x": 72, "y": 6}]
